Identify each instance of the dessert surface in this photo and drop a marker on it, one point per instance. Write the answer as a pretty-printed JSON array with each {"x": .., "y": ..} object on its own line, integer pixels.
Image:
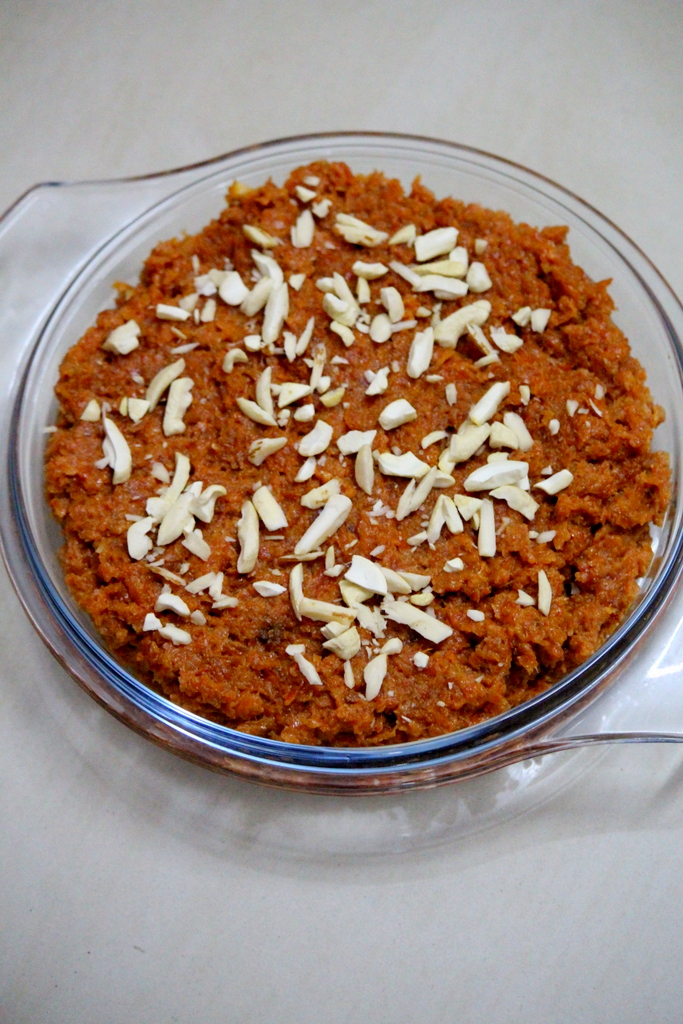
[{"x": 354, "y": 466}]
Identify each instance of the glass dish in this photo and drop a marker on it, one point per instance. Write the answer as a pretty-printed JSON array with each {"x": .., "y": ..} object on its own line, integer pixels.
[{"x": 127, "y": 219}]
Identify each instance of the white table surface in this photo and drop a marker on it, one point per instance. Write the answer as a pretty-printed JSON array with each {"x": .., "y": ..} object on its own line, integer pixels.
[{"x": 136, "y": 888}]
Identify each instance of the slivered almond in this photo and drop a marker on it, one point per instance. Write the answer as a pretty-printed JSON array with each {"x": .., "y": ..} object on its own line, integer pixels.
[
  {"x": 488, "y": 404},
  {"x": 379, "y": 383},
  {"x": 308, "y": 671},
  {"x": 404, "y": 236},
  {"x": 517, "y": 499},
  {"x": 304, "y": 194},
  {"x": 233, "y": 290},
  {"x": 506, "y": 342},
  {"x": 255, "y": 412},
  {"x": 468, "y": 439},
  {"x": 162, "y": 380},
  {"x": 257, "y": 297},
  {"x": 486, "y": 541},
  {"x": 260, "y": 237},
  {"x": 421, "y": 352},
  {"x": 325, "y": 525},
  {"x": 116, "y": 451},
  {"x": 167, "y": 312},
  {"x": 443, "y": 287},
  {"x": 344, "y": 332},
  {"x": 364, "y": 469},
  {"x": 123, "y": 339},
  {"x": 380, "y": 328},
  {"x": 478, "y": 278},
  {"x": 502, "y": 436},
  {"x": 357, "y": 231},
  {"x": 428, "y": 627},
  {"x": 345, "y": 645},
  {"x": 395, "y": 583},
  {"x": 407, "y": 273},
  {"x": 315, "y": 442},
  {"x": 373, "y": 675},
  {"x": 515, "y": 422},
  {"x": 557, "y": 482},
  {"x": 545, "y": 593},
  {"x": 92, "y": 412},
  {"x": 444, "y": 268},
  {"x": 248, "y": 538},
  {"x": 496, "y": 474},
  {"x": 331, "y": 399},
  {"x": 402, "y": 465},
  {"x": 277, "y": 308},
  {"x": 177, "y": 404},
  {"x": 369, "y": 271},
  {"x": 539, "y": 320},
  {"x": 366, "y": 574},
  {"x": 435, "y": 243},
  {"x": 353, "y": 440},
  {"x": 451, "y": 328},
  {"x": 405, "y": 502},
  {"x": 305, "y": 336},
  {"x": 303, "y": 230},
  {"x": 396, "y": 414},
  {"x": 392, "y": 301},
  {"x": 291, "y": 392},
  {"x": 319, "y": 496},
  {"x": 269, "y": 510}
]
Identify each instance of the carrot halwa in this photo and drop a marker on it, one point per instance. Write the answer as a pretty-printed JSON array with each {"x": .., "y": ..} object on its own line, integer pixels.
[{"x": 353, "y": 466}]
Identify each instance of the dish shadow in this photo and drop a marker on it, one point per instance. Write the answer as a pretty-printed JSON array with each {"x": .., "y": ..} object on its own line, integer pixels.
[{"x": 561, "y": 796}]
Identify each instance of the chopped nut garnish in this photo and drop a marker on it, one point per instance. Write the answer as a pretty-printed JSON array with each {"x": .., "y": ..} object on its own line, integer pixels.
[
  {"x": 357, "y": 231},
  {"x": 163, "y": 379},
  {"x": 260, "y": 237},
  {"x": 116, "y": 452},
  {"x": 248, "y": 537},
  {"x": 475, "y": 615},
  {"x": 315, "y": 442},
  {"x": 505, "y": 342},
  {"x": 557, "y": 482},
  {"x": 428, "y": 627},
  {"x": 525, "y": 393},
  {"x": 380, "y": 328},
  {"x": 539, "y": 320},
  {"x": 304, "y": 194},
  {"x": 123, "y": 339},
  {"x": 272, "y": 516},
  {"x": 487, "y": 406},
  {"x": 402, "y": 465},
  {"x": 267, "y": 589},
  {"x": 176, "y": 635},
  {"x": 369, "y": 271},
  {"x": 392, "y": 301},
  {"x": 421, "y": 351},
  {"x": 524, "y": 599},
  {"x": 477, "y": 278},
  {"x": 327, "y": 523},
  {"x": 308, "y": 671},
  {"x": 379, "y": 382},
  {"x": 435, "y": 243},
  {"x": 165, "y": 312},
  {"x": 404, "y": 236},
  {"x": 92, "y": 412},
  {"x": 373, "y": 676},
  {"x": 554, "y": 427},
  {"x": 545, "y": 593},
  {"x": 179, "y": 401},
  {"x": 396, "y": 414},
  {"x": 303, "y": 230},
  {"x": 451, "y": 328}
]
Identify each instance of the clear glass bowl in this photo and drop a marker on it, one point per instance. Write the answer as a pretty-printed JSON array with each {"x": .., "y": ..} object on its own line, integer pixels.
[{"x": 647, "y": 311}]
